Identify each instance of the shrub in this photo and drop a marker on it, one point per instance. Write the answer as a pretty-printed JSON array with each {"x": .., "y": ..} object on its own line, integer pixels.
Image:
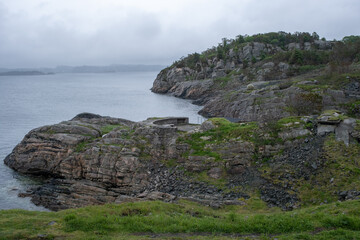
[{"x": 305, "y": 103}]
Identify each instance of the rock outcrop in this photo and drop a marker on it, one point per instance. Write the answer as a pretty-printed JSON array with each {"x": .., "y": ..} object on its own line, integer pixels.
[
  {"x": 94, "y": 160},
  {"x": 259, "y": 81}
]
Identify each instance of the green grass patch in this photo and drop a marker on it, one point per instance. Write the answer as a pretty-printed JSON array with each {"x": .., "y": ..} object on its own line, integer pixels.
[
  {"x": 108, "y": 128},
  {"x": 312, "y": 87},
  {"x": 352, "y": 108},
  {"x": 224, "y": 131},
  {"x": 81, "y": 146},
  {"x": 291, "y": 120},
  {"x": 222, "y": 81},
  {"x": 113, "y": 221},
  {"x": 203, "y": 177},
  {"x": 338, "y": 81},
  {"x": 307, "y": 68},
  {"x": 341, "y": 172},
  {"x": 334, "y": 115}
]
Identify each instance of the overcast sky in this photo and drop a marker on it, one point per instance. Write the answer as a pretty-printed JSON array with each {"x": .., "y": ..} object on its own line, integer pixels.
[{"x": 37, "y": 33}]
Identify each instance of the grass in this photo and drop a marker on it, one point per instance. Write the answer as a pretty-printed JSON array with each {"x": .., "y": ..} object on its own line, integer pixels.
[
  {"x": 313, "y": 88},
  {"x": 290, "y": 120},
  {"x": 341, "y": 172},
  {"x": 223, "y": 81},
  {"x": 353, "y": 108},
  {"x": 203, "y": 177},
  {"x": 334, "y": 115},
  {"x": 308, "y": 68},
  {"x": 141, "y": 219},
  {"x": 108, "y": 128},
  {"x": 338, "y": 81},
  {"x": 81, "y": 146},
  {"x": 224, "y": 131}
]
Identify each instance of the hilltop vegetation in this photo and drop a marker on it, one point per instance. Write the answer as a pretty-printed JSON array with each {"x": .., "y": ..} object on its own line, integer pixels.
[
  {"x": 300, "y": 48},
  {"x": 268, "y": 76}
]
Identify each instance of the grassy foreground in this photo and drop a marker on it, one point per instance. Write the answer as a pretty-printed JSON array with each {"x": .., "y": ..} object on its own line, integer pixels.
[{"x": 183, "y": 220}]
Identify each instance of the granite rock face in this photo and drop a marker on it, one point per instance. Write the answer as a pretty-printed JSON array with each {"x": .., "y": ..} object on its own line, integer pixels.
[
  {"x": 95, "y": 160},
  {"x": 254, "y": 82}
]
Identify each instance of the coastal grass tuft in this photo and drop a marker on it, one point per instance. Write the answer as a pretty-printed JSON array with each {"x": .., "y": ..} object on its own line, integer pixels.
[
  {"x": 140, "y": 220},
  {"x": 340, "y": 172},
  {"x": 108, "y": 128},
  {"x": 220, "y": 183},
  {"x": 224, "y": 131},
  {"x": 81, "y": 146}
]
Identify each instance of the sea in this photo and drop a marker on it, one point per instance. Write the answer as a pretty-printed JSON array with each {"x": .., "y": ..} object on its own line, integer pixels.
[{"x": 28, "y": 102}]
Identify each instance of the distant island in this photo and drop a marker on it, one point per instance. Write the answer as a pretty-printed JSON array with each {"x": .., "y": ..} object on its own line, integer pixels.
[
  {"x": 108, "y": 68},
  {"x": 23, "y": 73},
  {"x": 81, "y": 69}
]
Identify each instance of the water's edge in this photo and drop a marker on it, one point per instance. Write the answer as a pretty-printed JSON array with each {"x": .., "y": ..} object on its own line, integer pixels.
[{"x": 28, "y": 102}]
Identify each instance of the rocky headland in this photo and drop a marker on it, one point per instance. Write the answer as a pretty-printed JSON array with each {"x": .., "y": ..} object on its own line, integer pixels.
[
  {"x": 92, "y": 159},
  {"x": 284, "y": 129},
  {"x": 268, "y": 76}
]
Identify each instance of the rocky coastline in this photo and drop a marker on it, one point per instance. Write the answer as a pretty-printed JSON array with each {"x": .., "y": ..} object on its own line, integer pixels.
[
  {"x": 284, "y": 129},
  {"x": 257, "y": 81},
  {"x": 92, "y": 159}
]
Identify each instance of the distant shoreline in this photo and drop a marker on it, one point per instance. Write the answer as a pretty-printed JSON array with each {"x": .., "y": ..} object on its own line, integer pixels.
[
  {"x": 23, "y": 73},
  {"x": 80, "y": 69}
]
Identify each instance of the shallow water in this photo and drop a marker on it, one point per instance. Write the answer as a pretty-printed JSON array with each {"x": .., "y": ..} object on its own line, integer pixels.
[{"x": 27, "y": 102}]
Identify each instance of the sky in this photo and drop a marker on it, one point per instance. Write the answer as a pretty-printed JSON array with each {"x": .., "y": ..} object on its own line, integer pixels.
[{"x": 47, "y": 33}]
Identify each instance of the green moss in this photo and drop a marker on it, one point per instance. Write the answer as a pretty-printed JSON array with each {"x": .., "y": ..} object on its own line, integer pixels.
[
  {"x": 222, "y": 81},
  {"x": 204, "y": 177},
  {"x": 170, "y": 163},
  {"x": 338, "y": 81},
  {"x": 312, "y": 88},
  {"x": 291, "y": 119},
  {"x": 108, "y": 128},
  {"x": 307, "y": 68},
  {"x": 50, "y": 131},
  {"x": 226, "y": 129},
  {"x": 331, "y": 112},
  {"x": 352, "y": 108},
  {"x": 155, "y": 118},
  {"x": 357, "y": 127},
  {"x": 334, "y": 115},
  {"x": 81, "y": 146},
  {"x": 230, "y": 95}
]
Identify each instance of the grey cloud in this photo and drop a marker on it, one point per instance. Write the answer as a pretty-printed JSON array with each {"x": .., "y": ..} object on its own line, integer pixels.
[{"x": 138, "y": 35}]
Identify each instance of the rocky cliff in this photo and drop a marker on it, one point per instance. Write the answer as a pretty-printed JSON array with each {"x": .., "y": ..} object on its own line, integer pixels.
[
  {"x": 94, "y": 160},
  {"x": 267, "y": 76}
]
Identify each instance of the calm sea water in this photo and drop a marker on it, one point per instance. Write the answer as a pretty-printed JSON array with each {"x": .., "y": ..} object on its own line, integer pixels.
[{"x": 27, "y": 102}]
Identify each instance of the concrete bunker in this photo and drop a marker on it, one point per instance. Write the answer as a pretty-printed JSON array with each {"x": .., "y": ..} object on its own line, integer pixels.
[{"x": 175, "y": 121}]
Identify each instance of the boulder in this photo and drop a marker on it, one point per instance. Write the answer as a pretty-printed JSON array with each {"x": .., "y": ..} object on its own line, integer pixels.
[
  {"x": 207, "y": 125},
  {"x": 344, "y": 129}
]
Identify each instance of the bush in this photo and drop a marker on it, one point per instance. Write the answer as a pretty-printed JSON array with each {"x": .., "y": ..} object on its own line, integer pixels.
[
  {"x": 353, "y": 108},
  {"x": 305, "y": 104}
]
